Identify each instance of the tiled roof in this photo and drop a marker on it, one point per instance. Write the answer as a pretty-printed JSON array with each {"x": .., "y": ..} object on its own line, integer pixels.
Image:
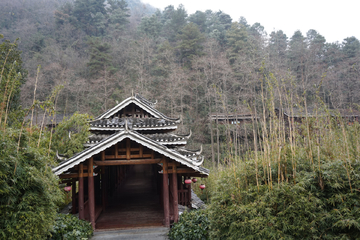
[
  {"x": 140, "y": 102},
  {"x": 163, "y": 139},
  {"x": 115, "y": 123},
  {"x": 193, "y": 162}
]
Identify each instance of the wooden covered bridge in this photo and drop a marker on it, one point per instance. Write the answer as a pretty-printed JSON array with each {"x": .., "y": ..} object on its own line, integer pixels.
[{"x": 133, "y": 169}]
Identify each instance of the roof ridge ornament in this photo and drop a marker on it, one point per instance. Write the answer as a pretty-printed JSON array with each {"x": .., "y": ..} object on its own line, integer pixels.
[
  {"x": 188, "y": 136},
  {"x": 59, "y": 157},
  {"x": 200, "y": 151}
]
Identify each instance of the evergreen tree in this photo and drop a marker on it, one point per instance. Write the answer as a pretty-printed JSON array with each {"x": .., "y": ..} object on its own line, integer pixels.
[
  {"x": 199, "y": 18},
  {"x": 296, "y": 55},
  {"x": 118, "y": 14},
  {"x": 237, "y": 41},
  {"x": 351, "y": 47},
  {"x": 85, "y": 12},
  {"x": 277, "y": 45},
  {"x": 174, "y": 21},
  {"x": 100, "y": 59},
  {"x": 151, "y": 26},
  {"x": 190, "y": 45}
]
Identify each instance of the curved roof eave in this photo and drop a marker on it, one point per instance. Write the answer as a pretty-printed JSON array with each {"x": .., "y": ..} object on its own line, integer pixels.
[{"x": 134, "y": 136}]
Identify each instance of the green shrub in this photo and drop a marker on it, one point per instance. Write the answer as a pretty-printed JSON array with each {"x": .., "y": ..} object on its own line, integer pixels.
[
  {"x": 69, "y": 227},
  {"x": 313, "y": 207},
  {"x": 29, "y": 192},
  {"x": 191, "y": 225}
]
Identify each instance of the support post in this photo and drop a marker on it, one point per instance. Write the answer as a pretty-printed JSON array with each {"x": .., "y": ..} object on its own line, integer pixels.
[
  {"x": 73, "y": 197},
  {"x": 166, "y": 193},
  {"x": 91, "y": 193},
  {"x": 189, "y": 195},
  {"x": 175, "y": 193},
  {"x": 81, "y": 193}
]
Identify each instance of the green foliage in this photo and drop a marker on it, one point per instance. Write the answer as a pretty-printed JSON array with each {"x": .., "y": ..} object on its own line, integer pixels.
[
  {"x": 237, "y": 41},
  {"x": 69, "y": 227},
  {"x": 193, "y": 225},
  {"x": 319, "y": 200},
  {"x": 29, "y": 191},
  {"x": 151, "y": 26},
  {"x": 100, "y": 59},
  {"x": 173, "y": 21},
  {"x": 190, "y": 45},
  {"x": 92, "y": 17},
  {"x": 12, "y": 75},
  {"x": 71, "y": 134}
]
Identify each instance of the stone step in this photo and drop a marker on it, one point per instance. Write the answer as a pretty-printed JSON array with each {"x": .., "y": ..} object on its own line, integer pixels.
[{"x": 152, "y": 233}]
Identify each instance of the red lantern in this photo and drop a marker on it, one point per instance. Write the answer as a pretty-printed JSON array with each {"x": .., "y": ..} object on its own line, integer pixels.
[
  {"x": 194, "y": 180},
  {"x": 202, "y": 186},
  {"x": 67, "y": 188},
  {"x": 188, "y": 181}
]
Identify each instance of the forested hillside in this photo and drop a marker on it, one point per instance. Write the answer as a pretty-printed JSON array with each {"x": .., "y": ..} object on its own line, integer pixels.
[{"x": 192, "y": 64}]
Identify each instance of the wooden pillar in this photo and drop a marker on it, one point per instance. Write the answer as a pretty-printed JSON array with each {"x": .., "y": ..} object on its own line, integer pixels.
[
  {"x": 81, "y": 192},
  {"x": 189, "y": 195},
  {"x": 73, "y": 195},
  {"x": 166, "y": 193},
  {"x": 171, "y": 198},
  {"x": 175, "y": 193},
  {"x": 91, "y": 192},
  {"x": 128, "y": 146}
]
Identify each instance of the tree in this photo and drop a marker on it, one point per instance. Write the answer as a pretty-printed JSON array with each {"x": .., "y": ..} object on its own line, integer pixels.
[
  {"x": 217, "y": 24},
  {"x": 151, "y": 26},
  {"x": 296, "y": 55},
  {"x": 71, "y": 134},
  {"x": 237, "y": 41},
  {"x": 173, "y": 21},
  {"x": 199, "y": 18},
  {"x": 85, "y": 12},
  {"x": 12, "y": 76},
  {"x": 100, "y": 58},
  {"x": 29, "y": 193},
  {"x": 351, "y": 47},
  {"x": 277, "y": 46},
  {"x": 190, "y": 45},
  {"x": 118, "y": 14}
]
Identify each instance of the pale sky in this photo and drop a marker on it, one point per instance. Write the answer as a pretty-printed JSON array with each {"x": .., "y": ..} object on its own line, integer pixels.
[{"x": 335, "y": 20}]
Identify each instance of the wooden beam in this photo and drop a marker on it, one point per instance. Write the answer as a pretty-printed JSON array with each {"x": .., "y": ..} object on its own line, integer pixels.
[
  {"x": 183, "y": 170},
  {"x": 127, "y": 162},
  {"x": 166, "y": 193},
  {"x": 141, "y": 151},
  {"x": 126, "y": 156},
  {"x": 81, "y": 193},
  {"x": 103, "y": 155},
  {"x": 175, "y": 194},
  {"x": 76, "y": 168},
  {"x": 91, "y": 193},
  {"x": 189, "y": 195},
  {"x": 116, "y": 151},
  {"x": 128, "y": 150},
  {"x": 73, "y": 197},
  {"x": 73, "y": 175},
  {"x": 170, "y": 164}
]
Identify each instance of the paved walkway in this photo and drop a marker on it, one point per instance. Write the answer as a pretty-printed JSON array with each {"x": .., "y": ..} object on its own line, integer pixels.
[{"x": 153, "y": 233}]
